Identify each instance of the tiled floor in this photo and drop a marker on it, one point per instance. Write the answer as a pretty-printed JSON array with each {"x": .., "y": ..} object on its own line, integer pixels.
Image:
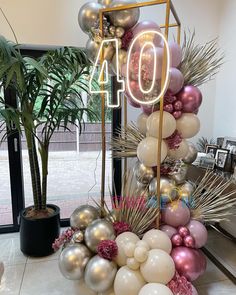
[{"x": 30, "y": 276}]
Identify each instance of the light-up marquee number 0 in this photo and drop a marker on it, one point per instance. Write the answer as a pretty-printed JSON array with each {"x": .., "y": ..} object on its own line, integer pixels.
[{"x": 104, "y": 71}]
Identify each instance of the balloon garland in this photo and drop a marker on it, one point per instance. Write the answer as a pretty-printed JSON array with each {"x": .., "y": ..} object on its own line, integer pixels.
[{"x": 123, "y": 252}]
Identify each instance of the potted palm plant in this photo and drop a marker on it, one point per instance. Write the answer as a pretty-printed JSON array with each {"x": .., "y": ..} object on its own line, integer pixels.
[{"x": 48, "y": 91}]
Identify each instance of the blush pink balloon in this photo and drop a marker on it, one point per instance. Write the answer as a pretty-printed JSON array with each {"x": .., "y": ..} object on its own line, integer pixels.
[
  {"x": 176, "y": 81},
  {"x": 149, "y": 109},
  {"x": 175, "y": 53},
  {"x": 199, "y": 232},
  {"x": 191, "y": 98},
  {"x": 175, "y": 214},
  {"x": 169, "y": 230},
  {"x": 176, "y": 240},
  {"x": 144, "y": 26},
  {"x": 134, "y": 89},
  {"x": 131, "y": 101},
  {"x": 190, "y": 263}
]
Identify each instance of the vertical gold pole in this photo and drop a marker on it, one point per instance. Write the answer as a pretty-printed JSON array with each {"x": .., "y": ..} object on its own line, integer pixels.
[
  {"x": 179, "y": 34},
  {"x": 103, "y": 121},
  {"x": 125, "y": 124},
  {"x": 161, "y": 113}
]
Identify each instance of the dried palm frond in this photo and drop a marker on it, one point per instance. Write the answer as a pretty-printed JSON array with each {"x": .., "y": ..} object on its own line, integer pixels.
[
  {"x": 126, "y": 142},
  {"x": 202, "y": 142},
  {"x": 200, "y": 63},
  {"x": 213, "y": 199},
  {"x": 132, "y": 206}
]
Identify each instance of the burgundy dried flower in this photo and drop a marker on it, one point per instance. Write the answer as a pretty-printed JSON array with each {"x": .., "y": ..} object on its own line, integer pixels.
[
  {"x": 174, "y": 140},
  {"x": 107, "y": 249},
  {"x": 169, "y": 98},
  {"x": 121, "y": 227},
  {"x": 165, "y": 170},
  {"x": 126, "y": 39},
  {"x": 179, "y": 285}
]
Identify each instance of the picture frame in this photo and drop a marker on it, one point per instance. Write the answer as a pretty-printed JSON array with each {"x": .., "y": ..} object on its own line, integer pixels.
[
  {"x": 221, "y": 158},
  {"x": 230, "y": 144},
  {"x": 211, "y": 150},
  {"x": 207, "y": 163}
]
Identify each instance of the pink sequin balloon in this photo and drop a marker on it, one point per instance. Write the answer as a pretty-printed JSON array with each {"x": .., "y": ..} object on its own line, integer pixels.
[
  {"x": 176, "y": 54},
  {"x": 169, "y": 230},
  {"x": 177, "y": 240},
  {"x": 190, "y": 263},
  {"x": 175, "y": 214},
  {"x": 191, "y": 98},
  {"x": 176, "y": 80},
  {"x": 199, "y": 232}
]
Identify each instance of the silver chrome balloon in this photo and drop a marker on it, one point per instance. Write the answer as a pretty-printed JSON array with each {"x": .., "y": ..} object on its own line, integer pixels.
[
  {"x": 83, "y": 216},
  {"x": 191, "y": 155},
  {"x": 167, "y": 188},
  {"x": 119, "y": 32},
  {"x": 142, "y": 173},
  {"x": 105, "y": 3},
  {"x": 72, "y": 261},
  {"x": 124, "y": 18},
  {"x": 92, "y": 48},
  {"x": 180, "y": 176},
  {"x": 89, "y": 16},
  {"x": 186, "y": 189},
  {"x": 97, "y": 231},
  {"x": 100, "y": 274},
  {"x": 78, "y": 237}
]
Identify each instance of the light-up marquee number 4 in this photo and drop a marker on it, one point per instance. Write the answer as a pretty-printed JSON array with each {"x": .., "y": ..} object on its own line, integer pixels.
[{"x": 103, "y": 76}]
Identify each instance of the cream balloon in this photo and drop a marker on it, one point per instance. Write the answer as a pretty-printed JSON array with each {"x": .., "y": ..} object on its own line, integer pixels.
[
  {"x": 128, "y": 281},
  {"x": 158, "y": 268},
  {"x": 132, "y": 263},
  {"x": 147, "y": 151},
  {"x": 157, "y": 239},
  {"x": 188, "y": 125},
  {"x": 129, "y": 249},
  {"x": 142, "y": 243},
  {"x": 140, "y": 254},
  {"x": 122, "y": 240},
  {"x": 109, "y": 292},
  {"x": 169, "y": 124},
  {"x": 155, "y": 289},
  {"x": 142, "y": 123},
  {"x": 180, "y": 152}
]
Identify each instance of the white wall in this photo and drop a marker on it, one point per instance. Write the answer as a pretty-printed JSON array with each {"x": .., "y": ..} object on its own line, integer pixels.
[
  {"x": 54, "y": 22},
  {"x": 225, "y": 106}
]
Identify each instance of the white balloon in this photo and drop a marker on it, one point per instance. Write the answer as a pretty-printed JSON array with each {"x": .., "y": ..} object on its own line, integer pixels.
[
  {"x": 147, "y": 151},
  {"x": 128, "y": 281},
  {"x": 142, "y": 243},
  {"x": 188, "y": 125},
  {"x": 109, "y": 292},
  {"x": 132, "y": 263},
  {"x": 180, "y": 152},
  {"x": 122, "y": 240},
  {"x": 169, "y": 124},
  {"x": 155, "y": 289},
  {"x": 142, "y": 123},
  {"x": 157, "y": 239},
  {"x": 158, "y": 268},
  {"x": 129, "y": 249},
  {"x": 140, "y": 254}
]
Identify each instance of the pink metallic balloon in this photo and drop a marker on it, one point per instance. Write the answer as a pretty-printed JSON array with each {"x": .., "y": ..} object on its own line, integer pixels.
[
  {"x": 183, "y": 231},
  {"x": 131, "y": 101},
  {"x": 144, "y": 26},
  {"x": 190, "y": 263},
  {"x": 189, "y": 242},
  {"x": 178, "y": 105},
  {"x": 175, "y": 214},
  {"x": 177, "y": 240},
  {"x": 176, "y": 54},
  {"x": 191, "y": 98},
  {"x": 169, "y": 230},
  {"x": 149, "y": 109},
  {"x": 176, "y": 81},
  {"x": 177, "y": 114},
  {"x": 168, "y": 108},
  {"x": 199, "y": 232}
]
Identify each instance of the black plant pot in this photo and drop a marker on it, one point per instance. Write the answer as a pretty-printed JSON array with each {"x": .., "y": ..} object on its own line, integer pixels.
[{"x": 37, "y": 235}]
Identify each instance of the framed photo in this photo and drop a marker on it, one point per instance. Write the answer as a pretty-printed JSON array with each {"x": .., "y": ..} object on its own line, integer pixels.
[
  {"x": 211, "y": 150},
  {"x": 221, "y": 158},
  {"x": 207, "y": 163},
  {"x": 230, "y": 144},
  {"x": 220, "y": 141}
]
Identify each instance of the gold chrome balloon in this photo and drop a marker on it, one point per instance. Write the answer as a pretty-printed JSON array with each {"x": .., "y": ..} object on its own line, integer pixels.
[
  {"x": 112, "y": 30},
  {"x": 142, "y": 173},
  {"x": 191, "y": 155},
  {"x": 105, "y": 3},
  {"x": 100, "y": 274},
  {"x": 119, "y": 32},
  {"x": 122, "y": 57},
  {"x": 83, "y": 216},
  {"x": 89, "y": 16},
  {"x": 97, "y": 231},
  {"x": 167, "y": 188},
  {"x": 186, "y": 189},
  {"x": 92, "y": 48},
  {"x": 180, "y": 176},
  {"x": 78, "y": 237},
  {"x": 124, "y": 18},
  {"x": 72, "y": 261}
]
